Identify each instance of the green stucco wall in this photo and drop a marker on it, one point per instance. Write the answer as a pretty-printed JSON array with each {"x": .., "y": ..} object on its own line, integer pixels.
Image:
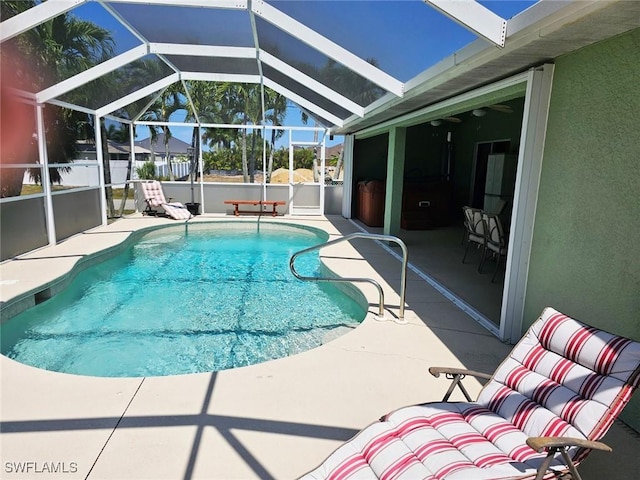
[{"x": 585, "y": 258}]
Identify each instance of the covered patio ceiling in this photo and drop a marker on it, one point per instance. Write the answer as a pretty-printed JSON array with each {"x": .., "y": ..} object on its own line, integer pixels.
[{"x": 334, "y": 60}]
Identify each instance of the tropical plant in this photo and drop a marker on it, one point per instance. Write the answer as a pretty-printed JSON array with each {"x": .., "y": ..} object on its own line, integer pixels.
[
  {"x": 40, "y": 57},
  {"x": 117, "y": 133},
  {"x": 147, "y": 171},
  {"x": 170, "y": 101},
  {"x": 276, "y": 106}
]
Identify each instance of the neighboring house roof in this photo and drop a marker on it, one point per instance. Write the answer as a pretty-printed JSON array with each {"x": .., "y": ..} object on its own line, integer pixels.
[
  {"x": 333, "y": 151},
  {"x": 114, "y": 147},
  {"x": 176, "y": 146}
]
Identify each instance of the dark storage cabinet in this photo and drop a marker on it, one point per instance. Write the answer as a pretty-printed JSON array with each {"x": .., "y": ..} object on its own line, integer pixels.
[
  {"x": 371, "y": 202},
  {"x": 426, "y": 205}
]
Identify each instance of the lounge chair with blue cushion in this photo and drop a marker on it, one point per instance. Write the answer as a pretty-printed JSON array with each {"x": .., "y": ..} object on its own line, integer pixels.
[
  {"x": 154, "y": 197},
  {"x": 538, "y": 416}
]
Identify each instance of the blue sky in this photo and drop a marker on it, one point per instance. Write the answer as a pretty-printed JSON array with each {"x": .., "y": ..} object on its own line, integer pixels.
[{"x": 403, "y": 36}]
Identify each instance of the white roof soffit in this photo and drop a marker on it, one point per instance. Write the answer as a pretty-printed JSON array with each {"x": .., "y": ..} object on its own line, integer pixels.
[
  {"x": 475, "y": 17},
  {"x": 327, "y": 47}
]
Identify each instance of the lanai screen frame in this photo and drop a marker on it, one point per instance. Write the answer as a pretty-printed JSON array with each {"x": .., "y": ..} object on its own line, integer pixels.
[{"x": 472, "y": 16}]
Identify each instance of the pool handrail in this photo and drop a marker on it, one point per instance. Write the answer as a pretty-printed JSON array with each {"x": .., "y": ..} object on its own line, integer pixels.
[{"x": 346, "y": 238}]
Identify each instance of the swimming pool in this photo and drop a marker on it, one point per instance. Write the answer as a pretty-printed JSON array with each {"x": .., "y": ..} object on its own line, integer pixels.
[{"x": 185, "y": 299}]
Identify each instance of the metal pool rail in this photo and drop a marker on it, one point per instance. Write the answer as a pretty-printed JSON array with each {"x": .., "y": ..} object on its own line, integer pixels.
[{"x": 346, "y": 238}]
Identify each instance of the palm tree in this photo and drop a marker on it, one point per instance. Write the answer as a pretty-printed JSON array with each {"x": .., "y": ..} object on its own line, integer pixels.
[
  {"x": 170, "y": 101},
  {"x": 203, "y": 107},
  {"x": 119, "y": 134},
  {"x": 42, "y": 56},
  {"x": 350, "y": 84},
  {"x": 276, "y": 106}
]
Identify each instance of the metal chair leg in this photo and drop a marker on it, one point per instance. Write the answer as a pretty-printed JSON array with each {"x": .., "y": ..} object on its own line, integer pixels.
[
  {"x": 466, "y": 250},
  {"x": 493, "y": 278},
  {"x": 482, "y": 258}
]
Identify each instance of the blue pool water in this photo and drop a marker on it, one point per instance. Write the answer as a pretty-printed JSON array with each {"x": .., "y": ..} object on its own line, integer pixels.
[{"x": 206, "y": 298}]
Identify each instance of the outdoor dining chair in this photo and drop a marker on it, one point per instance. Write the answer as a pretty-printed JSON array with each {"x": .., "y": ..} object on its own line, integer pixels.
[
  {"x": 495, "y": 241},
  {"x": 474, "y": 230},
  {"x": 538, "y": 416}
]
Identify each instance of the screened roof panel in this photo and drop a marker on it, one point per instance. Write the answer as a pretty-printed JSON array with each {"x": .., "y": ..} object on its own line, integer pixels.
[
  {"x": 94, "y": 12},
  {"x": 305, "y": 92},
  {"x": 188, "y": 25},
  {"x": 316, "y": 65},
  {"x": 403, "y": 38},
  {"x": 355, "y": 51},
  {"x": 239, "y": 66},
  {"x": 119, "y": 83},
  {"x": 135, "y": 109}
]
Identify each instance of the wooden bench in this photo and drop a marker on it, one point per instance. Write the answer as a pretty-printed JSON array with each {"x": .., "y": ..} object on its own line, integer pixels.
[{"x": 237, "y": 203}]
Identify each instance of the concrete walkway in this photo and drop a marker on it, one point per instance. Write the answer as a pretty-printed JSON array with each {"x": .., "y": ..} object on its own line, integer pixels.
[{"x": 275, "y": 420}]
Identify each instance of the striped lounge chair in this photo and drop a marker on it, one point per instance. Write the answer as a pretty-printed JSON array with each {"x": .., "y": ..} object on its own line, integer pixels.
[
  {"x": 538, "y": 416},
  {"x": 154, "y": 197}
]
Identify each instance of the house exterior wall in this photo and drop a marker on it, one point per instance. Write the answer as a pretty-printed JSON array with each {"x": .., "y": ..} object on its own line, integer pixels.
[{"x": 584, "y": 259}]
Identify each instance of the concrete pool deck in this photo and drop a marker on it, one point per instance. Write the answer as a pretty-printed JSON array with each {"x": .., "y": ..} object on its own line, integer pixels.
[{"x": 275, "y": 420}]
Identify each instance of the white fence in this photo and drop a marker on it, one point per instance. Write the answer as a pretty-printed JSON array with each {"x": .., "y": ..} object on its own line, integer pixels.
[
  {"x": 84, "y": 173},
  {"x": 162, "y": 169}
]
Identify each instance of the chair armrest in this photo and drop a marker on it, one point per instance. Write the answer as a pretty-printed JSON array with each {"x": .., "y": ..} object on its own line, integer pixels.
[
  {"x": 456, "y": 374},
  {"x": 553, "y": 445},
  {"x": 540, "y": 444},
  {"x": 450, "y": 372}
]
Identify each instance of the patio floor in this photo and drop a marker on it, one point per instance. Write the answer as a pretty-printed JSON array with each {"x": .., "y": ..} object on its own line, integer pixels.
[{"x": 275, "y": 420}]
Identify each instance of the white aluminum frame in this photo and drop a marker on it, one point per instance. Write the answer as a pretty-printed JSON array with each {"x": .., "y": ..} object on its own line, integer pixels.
[
  {"x": 46, "y": 181},
  {"x": 138, "y": 94},
  {"x": 93, "y": 73},
  {"x": 468, "y": 13},
  {"x": 473, "y": 16},
  {"x": 534, "y": 128},
  {"x": 307, "y": 211},
  {"x": 229, "y": 4},
  {"x": 276, "y": 87},
  {"x": 35, "y": 16},
  {"x": 327, "y": 47},
  {"x": 201, "y": 50},
  {"x": 314, "y": 85}
]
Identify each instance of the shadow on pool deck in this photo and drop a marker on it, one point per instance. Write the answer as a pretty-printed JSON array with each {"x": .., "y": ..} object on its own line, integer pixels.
[{"x": 274, "y": 420}]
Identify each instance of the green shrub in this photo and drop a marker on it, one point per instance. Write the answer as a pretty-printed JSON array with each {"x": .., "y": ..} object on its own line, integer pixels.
[{"x": 147, "y": 171}]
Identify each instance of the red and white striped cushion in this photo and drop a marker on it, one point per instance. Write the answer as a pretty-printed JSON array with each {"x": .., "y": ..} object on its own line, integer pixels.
[
  {"x": 435, "y": 441},
  {"x": 562, "y": 379}
]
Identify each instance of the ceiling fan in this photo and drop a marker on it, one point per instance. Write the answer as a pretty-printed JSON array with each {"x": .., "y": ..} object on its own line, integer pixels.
[
  {"x": 438, "y": 122},
  {"x": 482, "y": 111},
  {"x": 498, "y": 107},
  {"x": 478, "y": 112}
]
